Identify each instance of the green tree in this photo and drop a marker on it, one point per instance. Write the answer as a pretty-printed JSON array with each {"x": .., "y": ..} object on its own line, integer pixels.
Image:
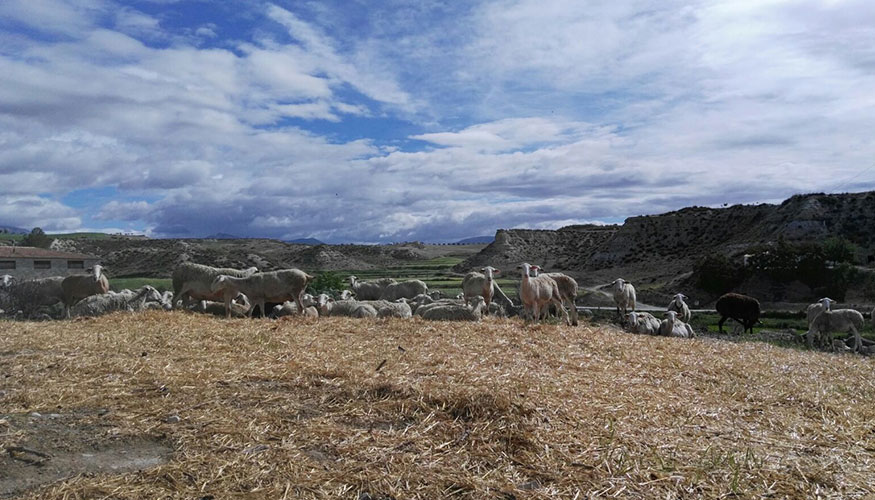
[
  {"x": 37, "y": 238},
  {"x": 837, "y": 249},
  {"x": 327, "y": 282},
  {"x": 717, "y": 274}
]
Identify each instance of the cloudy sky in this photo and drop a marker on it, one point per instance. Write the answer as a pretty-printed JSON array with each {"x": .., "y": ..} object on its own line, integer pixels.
[{"x": 390, "y": 120}]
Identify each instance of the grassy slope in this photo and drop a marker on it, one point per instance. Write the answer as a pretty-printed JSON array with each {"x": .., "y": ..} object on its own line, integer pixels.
[{"x": 490, "y": 410}]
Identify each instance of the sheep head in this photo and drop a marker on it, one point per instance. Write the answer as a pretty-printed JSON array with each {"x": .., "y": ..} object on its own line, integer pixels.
[
  {"x": 97, "y": 271},
  {"x": 489, "y": 271},
  {"x": 219, "y": 283}
]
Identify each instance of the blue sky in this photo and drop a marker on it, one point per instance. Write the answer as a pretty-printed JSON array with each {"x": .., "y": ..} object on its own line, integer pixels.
[{"x": 364, "y": 121}]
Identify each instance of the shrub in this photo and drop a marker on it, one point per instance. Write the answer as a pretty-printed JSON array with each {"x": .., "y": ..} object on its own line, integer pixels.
[
  {"x": 37, "y": 238},
  {"x": 716, "y": 274},
  {"x": 327, "y": 282}
]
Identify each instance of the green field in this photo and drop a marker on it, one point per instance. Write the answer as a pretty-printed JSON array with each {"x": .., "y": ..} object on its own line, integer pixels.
[{"x": 66, "y": 236}]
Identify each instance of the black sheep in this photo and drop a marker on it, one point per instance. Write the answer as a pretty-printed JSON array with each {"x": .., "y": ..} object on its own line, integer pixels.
[{"x": 741, "y": 308}]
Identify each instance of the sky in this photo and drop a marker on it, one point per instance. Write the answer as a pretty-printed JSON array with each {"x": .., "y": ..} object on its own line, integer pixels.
[{"x": 381, "y": 121}]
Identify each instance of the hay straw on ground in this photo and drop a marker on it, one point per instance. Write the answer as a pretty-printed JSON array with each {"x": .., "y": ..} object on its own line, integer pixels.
[{"x": 298, "y": 409}]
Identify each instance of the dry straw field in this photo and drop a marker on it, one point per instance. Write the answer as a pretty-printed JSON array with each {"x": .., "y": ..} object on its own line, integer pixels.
[{"x": 339, "y": 408}]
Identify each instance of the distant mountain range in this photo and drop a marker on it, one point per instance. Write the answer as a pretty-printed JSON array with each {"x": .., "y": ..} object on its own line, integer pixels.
[
  {"x": 306, "y": 241},
  {"x": 222, "y": 236},
  {"x": 13, "y": 230},
  {"x": 476, "y": 239}
]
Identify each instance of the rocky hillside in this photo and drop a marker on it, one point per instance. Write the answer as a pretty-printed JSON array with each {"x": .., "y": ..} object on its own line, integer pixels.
[
  {"x": 651, "y": 246},
  {"x": 125, "y": 256}
]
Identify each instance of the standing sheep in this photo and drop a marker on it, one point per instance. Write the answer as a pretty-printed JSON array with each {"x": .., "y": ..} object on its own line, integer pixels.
[
  {"x": 678, "y": 305},
  {"x": 79, "y": 286},
  {"x": 567, "y": 290},
  {"x": 539, "y": 292},
  {"x": 482, "y": 284},
  {"x": 275, "y": 286},
  {"x": 624, "y": 296},
  {"x": 6, "y": 281},
  {"x": 741, "y": 308},
  {"x": 642, "y": 323},
  {"x": 193, "y": 281},
  {"x": 839, "y": 320}
]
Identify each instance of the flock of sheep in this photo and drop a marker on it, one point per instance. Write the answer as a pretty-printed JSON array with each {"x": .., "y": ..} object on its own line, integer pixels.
[{"x": 233, "y": 292}]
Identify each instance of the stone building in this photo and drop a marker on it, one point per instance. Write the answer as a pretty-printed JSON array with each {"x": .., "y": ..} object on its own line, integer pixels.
[{"x": 25, "y": 263}]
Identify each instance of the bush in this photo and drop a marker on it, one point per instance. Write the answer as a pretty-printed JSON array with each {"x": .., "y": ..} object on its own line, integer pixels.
[
  {"x": 837, "y": 249},
  {"x": 717, "y": 274},
  {"x": 37, "y": 238},
  {"x": 327, "y": 282}
]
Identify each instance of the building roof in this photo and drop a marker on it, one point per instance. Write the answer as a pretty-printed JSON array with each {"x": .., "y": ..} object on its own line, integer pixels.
[{"x": 16, "y": 252}]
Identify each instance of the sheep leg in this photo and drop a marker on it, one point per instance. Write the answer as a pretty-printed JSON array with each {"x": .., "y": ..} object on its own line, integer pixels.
[
  {"x": 536, "y": 312},
  {"x": 720, "y": 323},
  {"x": 298, "y": 302},
  {"x": 561, "y": 307},
  {"x": 858, "y": 341}
]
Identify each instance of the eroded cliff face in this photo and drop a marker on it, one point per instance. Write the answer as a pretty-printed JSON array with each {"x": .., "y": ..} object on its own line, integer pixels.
[{"x": 682, "y": 236}]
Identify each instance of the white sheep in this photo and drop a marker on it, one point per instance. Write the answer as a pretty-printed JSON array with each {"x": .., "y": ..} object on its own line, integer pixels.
[
  {"x": 624, "y": 296},
  {"x": 419, "y": 310},
  {"x": 126, "y": 300},
  {"x": 275, "y": 286},
  {"x": 436, "y": 294},
  {"x": 347, "y": 294},
  {"x": 671, "y": 326},
  {"x": 839, "y": 320},
  {"x": 642, "y": 323},
  {"x": 6, "y": 280},
  {"x": 78, "y": 287},
  {"x": 350, "y": 308},
  {"x": 678, "y": 305},
  {"x": 404, "y": 289},
  {"x": 390, "y": 309},
  {"x": 456, "y": 312},
  {"x": 289, "y": 308},
  {"x": 369, "y": 290},
  {"x": 194, "y": 281},
  {"x": 567, "y": 290},
  {"x": 480, "y": 284},
  {"x": 240, "y": 307},
  {"x": 539, "y": 292}
]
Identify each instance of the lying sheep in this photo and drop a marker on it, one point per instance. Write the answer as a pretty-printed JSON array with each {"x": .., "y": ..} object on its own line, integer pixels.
[
  {"x": 420, "y": 310},
  {"x": 436, "y": 294},
  {"x": 624, "y": 296},
  {"x": 349, "y": 308},
  {"x": 193, "y": 282},
  {"x": 405, "y": 289},
  {"x": 240, "y": 307},
  {"x": 347, "y": 294},
  {"x": 275, "y": 286},
  {"x": 369, "y": 290},
  {"x": 289, "y": 308},
  {"x": 539, "y": 292},
  {"x": 642, "y": 323},
  {"x": 839, "y": 320},
  {"x": 741, "y": 308},
  {"x": 479, "y": 284},
  {"x": 29, "y": 296},
  {"x": 678, "y": 305},
  {"x": 456, "y": 312},
  {"x": 671, "y": 326},
  {"x": 78, "y": 287},
  {"x": 387, "y": 309},
  {"x": 126, "y": 300}
]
